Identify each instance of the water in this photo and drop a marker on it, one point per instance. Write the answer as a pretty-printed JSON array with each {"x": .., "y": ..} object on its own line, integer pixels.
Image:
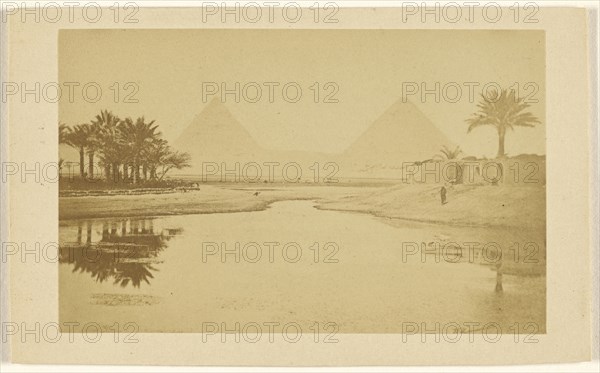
[{"x": 169, "y": 274}]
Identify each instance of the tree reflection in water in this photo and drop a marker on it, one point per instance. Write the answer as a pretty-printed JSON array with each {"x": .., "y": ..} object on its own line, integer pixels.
[{"x": 127, "y": 256}]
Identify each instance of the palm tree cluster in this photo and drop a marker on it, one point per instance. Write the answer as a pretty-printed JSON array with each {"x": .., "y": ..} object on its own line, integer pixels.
[{"x": 127, "y": 150}]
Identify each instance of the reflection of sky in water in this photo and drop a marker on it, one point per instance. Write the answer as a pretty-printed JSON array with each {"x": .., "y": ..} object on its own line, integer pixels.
[{"x": 158, "y": 264}]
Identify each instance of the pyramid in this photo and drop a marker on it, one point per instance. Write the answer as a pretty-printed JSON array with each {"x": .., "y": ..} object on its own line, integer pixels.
[
  {"x": 401, "y": 134},
  {"x": 215, "y": 135}
]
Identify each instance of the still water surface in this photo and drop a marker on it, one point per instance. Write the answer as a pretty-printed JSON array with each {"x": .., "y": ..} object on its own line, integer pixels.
[{"x": 289, "y": 263}]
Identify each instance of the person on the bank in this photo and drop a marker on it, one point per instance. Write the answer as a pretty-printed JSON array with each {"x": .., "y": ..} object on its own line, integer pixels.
[{"x": 443, "y": 195}]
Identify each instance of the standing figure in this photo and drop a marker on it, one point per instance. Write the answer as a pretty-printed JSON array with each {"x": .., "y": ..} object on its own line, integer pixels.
[
  {"x": 443, "y": 195},
  {"x": 499, "y": 273}
]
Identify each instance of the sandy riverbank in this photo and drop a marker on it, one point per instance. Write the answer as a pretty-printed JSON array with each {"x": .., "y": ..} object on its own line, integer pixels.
[
  {"x": 468, "y": 205},
  {"x": 208, "y": 200}
]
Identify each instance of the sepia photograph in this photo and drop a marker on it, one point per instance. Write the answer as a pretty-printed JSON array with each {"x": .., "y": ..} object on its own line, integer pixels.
[
  {"x": 245, "y": 177},
  {"x": 243, "y": 186}
]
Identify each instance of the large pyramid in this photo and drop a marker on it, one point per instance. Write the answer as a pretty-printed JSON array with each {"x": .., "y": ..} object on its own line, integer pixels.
[
  {"x": 216, "y": 136},
  {"x": 401, "y": 134}
]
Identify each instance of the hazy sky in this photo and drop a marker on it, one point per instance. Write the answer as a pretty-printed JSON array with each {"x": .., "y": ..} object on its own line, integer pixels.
[{"x": 368, "y": 66}]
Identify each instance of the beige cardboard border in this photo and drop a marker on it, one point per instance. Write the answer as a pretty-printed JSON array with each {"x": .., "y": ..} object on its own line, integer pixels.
[{"x": 32, "y": 212}]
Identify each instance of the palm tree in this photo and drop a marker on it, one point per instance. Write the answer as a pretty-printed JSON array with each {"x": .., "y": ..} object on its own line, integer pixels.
[
  {"x": 446, "y": 153},
  {"x": 503, "y": 111},
  {"x": 63, "y": 138},
  {"x": 156, "y": 156},
  {"x": 63, "y": 133},
  {"x": 77, "y": 137},
  {"x": 108, "y": 128},
  {"x": 138, "y": 137},
  {"x": 94, "y": 143},
  {"x": 177, "y": 160},
  {"x": 450, "y": 155},
  {"x": 161, "y": 154}
]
